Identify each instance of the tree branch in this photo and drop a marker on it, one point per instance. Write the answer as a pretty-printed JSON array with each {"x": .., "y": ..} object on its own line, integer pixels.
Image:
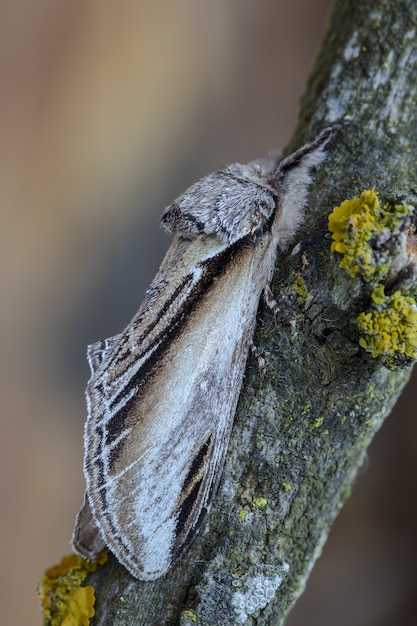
[{"x": 304, "y": 423}]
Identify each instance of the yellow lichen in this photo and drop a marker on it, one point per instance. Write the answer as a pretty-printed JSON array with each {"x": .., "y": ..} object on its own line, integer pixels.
[
  {"x": 306, "y": 408},
  {"x": 286, "y": 486},
  {"x": 318, "y": 422},
  {"x": 360, "y": 231},
  {"x": 64, "y": 601},
  {"x": 242, "y": 515},
  {"x": 191, "y": 615},
  {"x": 354, "y": 226},
  {"x": 391, "y": 328},
  {"x": 378, "y": 294},
  {"x": 299, "y": 286},
  {"x": 259, "y": 503}
]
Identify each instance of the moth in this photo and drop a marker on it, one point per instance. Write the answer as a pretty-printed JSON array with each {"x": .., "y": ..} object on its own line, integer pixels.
[{"x": 162, "y": 394}]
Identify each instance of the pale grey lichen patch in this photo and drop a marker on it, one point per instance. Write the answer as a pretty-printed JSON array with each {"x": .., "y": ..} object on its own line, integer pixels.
[
  {"x": 255, "y": 593},
  {"x": 352, "y": 49},
  {"x": 387, "y": 80},
  {"x": 384, "y": 73},
  {"x": 395, "y": 107},
  {"x": 335, "y": 107},
  {"x": 285, "y": 498},
  {"x": 228, "y": 599},
  {"x": 375, "y": 17}
]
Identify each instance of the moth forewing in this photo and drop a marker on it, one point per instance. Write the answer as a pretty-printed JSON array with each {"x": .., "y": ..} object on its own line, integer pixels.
[
  {"x": 151, "y": 485},
  {"x": 163, "y": 393}
]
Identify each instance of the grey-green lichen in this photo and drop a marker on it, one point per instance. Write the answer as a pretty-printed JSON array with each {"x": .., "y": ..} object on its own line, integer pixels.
[
  {"x": 255, "y": 593},
  {"x": 235, "y": 598}
]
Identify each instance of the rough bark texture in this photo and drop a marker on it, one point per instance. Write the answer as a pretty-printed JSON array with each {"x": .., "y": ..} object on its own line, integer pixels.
[{"x": 304, "y": 423}]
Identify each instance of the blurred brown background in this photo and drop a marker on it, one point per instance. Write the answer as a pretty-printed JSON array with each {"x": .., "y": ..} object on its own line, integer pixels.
[{"x": 109, "y": 109}]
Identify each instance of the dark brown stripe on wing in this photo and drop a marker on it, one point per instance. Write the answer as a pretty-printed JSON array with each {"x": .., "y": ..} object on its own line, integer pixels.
[
  {"x": 190, "y": 512},
  {"x": 196, "y": 464},
  {"x": 187, "y": 508},
  {"x": 211, "y": 269}
]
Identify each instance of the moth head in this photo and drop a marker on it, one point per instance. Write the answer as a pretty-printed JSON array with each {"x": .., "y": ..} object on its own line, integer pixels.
[{"x": 230, "y": 204}]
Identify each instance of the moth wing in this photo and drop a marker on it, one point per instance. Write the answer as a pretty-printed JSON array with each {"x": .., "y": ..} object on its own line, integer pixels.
[
  {"x": 86, "y": 538},
  {"x": 97, "y": 352},
  {"x": 154, "y": 453}
]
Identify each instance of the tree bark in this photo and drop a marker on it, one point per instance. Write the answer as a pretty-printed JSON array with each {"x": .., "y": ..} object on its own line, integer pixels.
[{"x": 305, "y": 421}]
